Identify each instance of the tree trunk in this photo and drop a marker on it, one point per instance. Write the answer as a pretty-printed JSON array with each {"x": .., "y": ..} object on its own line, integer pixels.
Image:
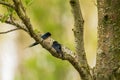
[{"x": 108, "y": 52}]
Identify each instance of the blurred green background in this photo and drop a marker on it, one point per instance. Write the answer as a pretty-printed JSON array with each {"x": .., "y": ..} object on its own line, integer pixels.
[{"x": 54, "y": 16}]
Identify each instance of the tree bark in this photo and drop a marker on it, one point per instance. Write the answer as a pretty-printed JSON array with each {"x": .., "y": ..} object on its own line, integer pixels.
[
  {"x": 108, "y": 52},
  {"x": 83, "y": 67}
]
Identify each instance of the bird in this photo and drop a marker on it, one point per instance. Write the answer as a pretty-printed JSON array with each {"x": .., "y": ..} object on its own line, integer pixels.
[
  {"x": 44, "y": 36},
  {"x": 57, "y": 47}
]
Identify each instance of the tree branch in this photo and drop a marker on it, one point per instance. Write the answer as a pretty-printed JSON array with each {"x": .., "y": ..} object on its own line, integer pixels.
[
  {"x": 78, "y": 30},
  {"x": 14, "y": 22},
  {"x": 9, "y": 31},
  {"x": 6, "y": 4},
  {"x": 25, "y": 19}
]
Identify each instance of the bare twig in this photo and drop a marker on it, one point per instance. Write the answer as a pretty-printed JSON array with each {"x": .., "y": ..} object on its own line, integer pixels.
[
  {"x": 14, "y": 22},
  {"x": 6, "y": 4},
  {"x": 9, "y": 31}
]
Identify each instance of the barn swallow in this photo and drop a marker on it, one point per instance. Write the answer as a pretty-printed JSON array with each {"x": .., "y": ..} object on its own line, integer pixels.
[
  {"x": 57, "y": 47},
  {"x": 44, "y": 36}
]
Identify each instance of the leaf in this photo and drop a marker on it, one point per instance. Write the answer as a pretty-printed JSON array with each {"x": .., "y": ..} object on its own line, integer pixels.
[
  {"x": 28, "y": 2},
  {"x": 37, "y": 31},
  {"x": 5, "y": 17},
  {"x": 10, "y": 10}
]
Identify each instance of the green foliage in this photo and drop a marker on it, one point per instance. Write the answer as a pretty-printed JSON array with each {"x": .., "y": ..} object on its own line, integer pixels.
[
  {"x": 5, "y": 17},
  {"x": 28, "y": 2},
  {"x": 8, "y": 13},
  {"x": 36, "y": 31}
]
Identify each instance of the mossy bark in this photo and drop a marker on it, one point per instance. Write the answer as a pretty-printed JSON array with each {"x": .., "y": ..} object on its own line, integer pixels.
[{"x": 108, "y": 53}]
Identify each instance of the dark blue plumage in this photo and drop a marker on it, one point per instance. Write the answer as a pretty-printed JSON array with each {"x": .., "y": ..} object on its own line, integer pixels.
[
  {"x": 46, "y": 35},
  {"x": 57, "y": 47}
]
